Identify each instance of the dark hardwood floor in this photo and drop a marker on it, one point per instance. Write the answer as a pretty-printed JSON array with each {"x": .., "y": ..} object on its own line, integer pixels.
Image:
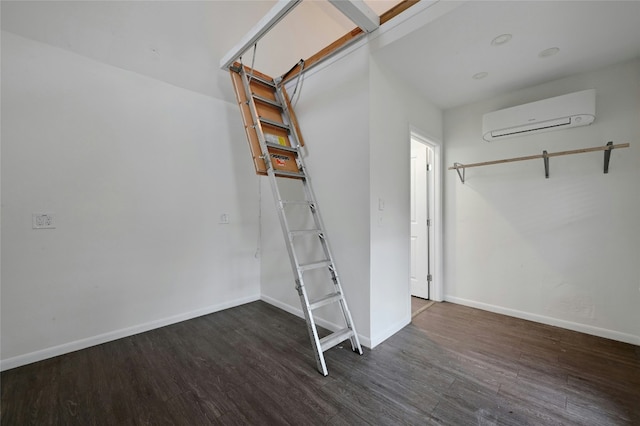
[{"x": 253, "y": 365}]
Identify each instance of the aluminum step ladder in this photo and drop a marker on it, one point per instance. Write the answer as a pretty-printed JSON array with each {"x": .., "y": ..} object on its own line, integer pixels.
[{"x": 275, "y": 142}]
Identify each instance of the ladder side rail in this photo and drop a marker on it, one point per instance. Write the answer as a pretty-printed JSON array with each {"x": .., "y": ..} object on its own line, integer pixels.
[
  {"x": 355, "y": 342},
  {"x": 271, "y": 174},
  {"x": 311, "y": 327},
  {"x": 256, "y": 121},
  {"x": 289, "y": 117},
  {"x": 310, "y": 195},
  {"x": 284, "y": 225},
  {"x": 300, "y": 285}
]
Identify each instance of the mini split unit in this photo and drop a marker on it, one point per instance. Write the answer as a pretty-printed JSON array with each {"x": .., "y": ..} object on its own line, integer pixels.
[{"x": 562, "y": 112}]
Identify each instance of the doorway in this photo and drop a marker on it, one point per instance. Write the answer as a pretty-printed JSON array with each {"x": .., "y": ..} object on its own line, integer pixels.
[{"x": 424, "y": 216}]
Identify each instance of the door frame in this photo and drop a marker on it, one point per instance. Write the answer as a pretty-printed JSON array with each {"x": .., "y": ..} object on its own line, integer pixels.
[{"x": 436, "y": 291}]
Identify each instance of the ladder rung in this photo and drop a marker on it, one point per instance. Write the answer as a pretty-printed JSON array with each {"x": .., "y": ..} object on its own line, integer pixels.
[
  {"x": 296, "y": 202},
  {"x": 305, "y": 232},
  {"x": 282, "y": 147},
  {"x": 274, "y": 123},
  {"x": 326, "y": 300},
  {"x": 335, "y": 338},
  {"x": 260, "y": 80},
  {"x": 314, "y": 265},
  {"x": 266, "y": 100},
  {"x": 285, "y": 173}
]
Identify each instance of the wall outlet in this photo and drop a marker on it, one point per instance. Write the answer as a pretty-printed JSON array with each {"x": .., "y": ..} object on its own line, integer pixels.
[
  {"x": 224, "y": 219},
  {"x": 43, "y": 220}
]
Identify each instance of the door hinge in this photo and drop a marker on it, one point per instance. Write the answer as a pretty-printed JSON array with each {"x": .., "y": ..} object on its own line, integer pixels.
[
  {"x": 428, "y": 167},
  {"x": 428, "y": 222},
  {"x": 429, "y": 278}
]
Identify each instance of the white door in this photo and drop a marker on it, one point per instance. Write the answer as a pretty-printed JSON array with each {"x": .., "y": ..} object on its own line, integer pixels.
[{"x": 419, "y": 216}]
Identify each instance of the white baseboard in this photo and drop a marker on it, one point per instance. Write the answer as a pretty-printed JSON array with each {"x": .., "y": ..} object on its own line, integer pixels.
[
  {"x": 364, "y": 341},
  {"x": 20, "y": 360},
  {"x": 390, "y": 331},
  {"x": 569, "y": 325}
]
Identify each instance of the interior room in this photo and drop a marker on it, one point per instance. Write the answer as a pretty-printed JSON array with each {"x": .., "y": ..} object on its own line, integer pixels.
[{"x": 143, "y": 258}]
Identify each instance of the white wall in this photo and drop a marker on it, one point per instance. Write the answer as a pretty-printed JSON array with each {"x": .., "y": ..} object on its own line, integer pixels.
[
  {"x": 137, "y": 172},
  {"x": 394, "y": 110},
  {"x": 563, "y": 250},
  {"x": 333, "y": 115}
]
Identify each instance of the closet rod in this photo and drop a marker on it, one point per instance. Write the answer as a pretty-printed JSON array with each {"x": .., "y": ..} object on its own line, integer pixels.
[
  {"x": 545, "y": 156},
  {"x": 535, "y": 157}
]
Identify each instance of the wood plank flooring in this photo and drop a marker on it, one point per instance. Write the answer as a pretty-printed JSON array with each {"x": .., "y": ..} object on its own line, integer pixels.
[
  {"x": 418, "y": 305},
  {"x": 252, "y": 364}
]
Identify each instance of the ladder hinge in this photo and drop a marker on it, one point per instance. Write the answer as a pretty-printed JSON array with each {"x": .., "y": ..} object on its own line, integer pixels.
[{"x": 429, "y": 278}]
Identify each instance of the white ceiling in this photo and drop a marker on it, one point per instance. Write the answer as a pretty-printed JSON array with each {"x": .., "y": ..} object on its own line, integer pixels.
[
  {"x": 440, "y": 59},
  {"x": 181, "y": 42}
]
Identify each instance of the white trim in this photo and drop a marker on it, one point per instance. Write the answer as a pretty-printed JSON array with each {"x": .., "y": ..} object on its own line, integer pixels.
[
  {"x": 569, "y": 325},
  {"x": 390, "y": 331},
  {"x": 364, "y": 341},
  {"x": 359, "y": 13},
  {"x": 76, "y": 345},
  {"x": 259, "y": 30},
  {"x": 438, "y": 259}
]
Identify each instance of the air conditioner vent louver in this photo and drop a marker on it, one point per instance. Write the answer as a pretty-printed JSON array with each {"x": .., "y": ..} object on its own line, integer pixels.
[{"x": 561, "y": 112}]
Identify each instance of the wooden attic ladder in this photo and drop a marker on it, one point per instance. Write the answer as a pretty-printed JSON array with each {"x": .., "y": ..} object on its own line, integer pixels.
[{"x": 275, "y": 142}]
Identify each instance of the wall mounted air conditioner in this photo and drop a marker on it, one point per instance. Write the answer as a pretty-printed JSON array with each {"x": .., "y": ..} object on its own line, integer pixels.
[{"x": 562, "y": 112}]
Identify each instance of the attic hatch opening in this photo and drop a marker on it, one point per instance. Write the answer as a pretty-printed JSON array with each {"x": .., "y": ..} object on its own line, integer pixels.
[{"x": 357, "y": 11}]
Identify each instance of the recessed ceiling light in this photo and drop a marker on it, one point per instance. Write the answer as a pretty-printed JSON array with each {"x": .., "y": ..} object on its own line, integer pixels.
[
  {"x": 480, "y": 75},
  {"x": 501, "y": 39},
  {"x": 548, "y": 52}
]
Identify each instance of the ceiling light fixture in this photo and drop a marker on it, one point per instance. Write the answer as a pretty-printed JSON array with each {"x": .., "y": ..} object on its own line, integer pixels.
[
  {"x": 480, "y": 75},
  {"x": 501, "y": 39},
  {"x": 548, "y": 52}
]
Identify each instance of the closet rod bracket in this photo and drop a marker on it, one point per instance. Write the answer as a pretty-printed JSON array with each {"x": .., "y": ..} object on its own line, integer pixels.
[
  {"x": 545, "y": 158},
  {"x": 459, "y": 166},
  {"x": 607, "y": 156}
]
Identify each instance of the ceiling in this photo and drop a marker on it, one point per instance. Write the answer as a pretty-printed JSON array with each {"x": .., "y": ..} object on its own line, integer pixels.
[
  {"x": 441, "y": 58},
  {"x": 181, "y": 42}
]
